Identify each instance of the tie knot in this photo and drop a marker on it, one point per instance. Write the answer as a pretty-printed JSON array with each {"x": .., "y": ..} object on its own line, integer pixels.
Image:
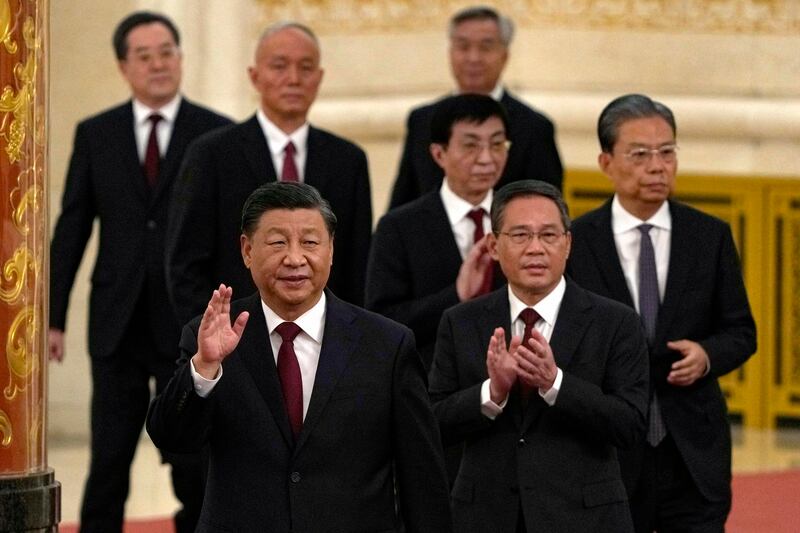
[
  {"x": 289, "y": 149},
  {"x": 288, "y": 331},
  {"x": 645, "y": 228},
  {"x": 155, "y": 118},
  {"x": 529, "y": 316},
  {"x": 477, "y": 216}
]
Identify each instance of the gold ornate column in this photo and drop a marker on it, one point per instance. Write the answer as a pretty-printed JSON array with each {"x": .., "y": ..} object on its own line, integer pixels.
[{"x": 29, "y": 496}]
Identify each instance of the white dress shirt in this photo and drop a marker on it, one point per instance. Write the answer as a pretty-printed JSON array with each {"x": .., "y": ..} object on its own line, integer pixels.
[
  {"x": 547, "y": 308},
  {"x": 307, "y": 347},
  {"x": 142, "y": 125},
  {"x": 277, "y": 141},
  {"x": 629, "y": 239},
  {"x": 457, "y": 210}
]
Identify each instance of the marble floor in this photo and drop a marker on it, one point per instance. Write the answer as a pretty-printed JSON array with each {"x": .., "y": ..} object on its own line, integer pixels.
[{"x": 755, "y": 450}]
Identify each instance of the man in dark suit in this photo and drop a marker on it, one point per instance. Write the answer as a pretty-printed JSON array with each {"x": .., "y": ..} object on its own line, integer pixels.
[
  {"x": 316, "y": 412},
  {"x": 698, "y": 319},
  {"x": 479, "y": 46},
  {"x": 540, "y": 417},
  {"x": 221, "y": 169},
  {"x": 123, "y": 165},
  {"x": 431, "y": 254}
]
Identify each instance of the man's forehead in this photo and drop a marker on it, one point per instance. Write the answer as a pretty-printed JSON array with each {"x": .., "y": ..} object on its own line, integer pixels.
[
  {"x": 480, "y": 28},
  {"x": 492, "y": 126}
]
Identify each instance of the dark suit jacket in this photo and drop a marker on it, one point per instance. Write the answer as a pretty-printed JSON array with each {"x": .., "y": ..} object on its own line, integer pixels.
[
  {"x": 369, "y": 423},
  {"x": 705, "y": 301},
  {"x": 105, "y": 181},
  {"x": 413, "y": 266},
  {"x": 558, "y": 461},
  {"x": 219, "y": 173},
  {"x": 533, "y": 153}
]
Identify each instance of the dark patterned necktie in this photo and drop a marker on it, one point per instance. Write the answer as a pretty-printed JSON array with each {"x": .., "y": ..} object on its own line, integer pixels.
[
  {"x": 476, "y": 215},
  {"x": 649, "y": 302},
  {"x": 529, "y": 317},
  {"x": 289, "y": 374},
  {"x": 152, "y": 155},
  {"x": 289, "y": 171}
]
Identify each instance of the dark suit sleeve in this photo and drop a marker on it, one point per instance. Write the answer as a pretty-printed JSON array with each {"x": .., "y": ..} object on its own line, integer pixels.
[
  {"x": 179, "y": 420},
  {"x": 73, "y": 228},
  {"x": 390, "y": 282},
  {"x": 614, "y": 411},
  {"x": 191, "y": 241},
  {"x": 357, "y": 251},
  {"x": 546, "y": 163},
  {"x": 421, "y": 479},
  {"x": 406, "y": 185},
  {"x": 733, "y": 339},
  {"x": 456, "y": 403}
]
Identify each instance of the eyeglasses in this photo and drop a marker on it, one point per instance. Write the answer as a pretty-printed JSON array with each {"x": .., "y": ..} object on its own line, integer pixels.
[
  {"x": 520, "y": 237},
  {"x": 640, "y": 156},
  {"x": 167, "y": 53},
  {"x": 475, "y": 148}
]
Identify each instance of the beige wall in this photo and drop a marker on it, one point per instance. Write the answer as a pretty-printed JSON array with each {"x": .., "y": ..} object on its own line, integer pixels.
[{"x": 729, "y": 69}]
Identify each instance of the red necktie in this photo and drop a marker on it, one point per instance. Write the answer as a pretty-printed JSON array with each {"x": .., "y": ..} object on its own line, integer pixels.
[
  {"x": 289, "y": 171},
  {"x": 289, "y": 374},
  {"x": 152, "y": 155},
  {"x": 529, "y": 317},
  {"x": 477, "y": 218}
]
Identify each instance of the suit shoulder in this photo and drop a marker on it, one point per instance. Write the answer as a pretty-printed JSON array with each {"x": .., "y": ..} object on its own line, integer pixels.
[
  {"x": 521, "y": 110},
  {"x": 377, "y": 324},
  {"x": 697, "y": 217},
  {"x": 412, "y": 211},
  {"x": 109, "y": 116},
  {"x": 339, "y": 144},
  {"x": 205, "y": 114},
  {"x": 590, "y": 218}
]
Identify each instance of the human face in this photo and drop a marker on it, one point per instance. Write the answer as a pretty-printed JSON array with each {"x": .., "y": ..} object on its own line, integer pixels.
[
  {"x": 474, "y": 158},
  {"x": 641, "y": 188},
  {"x": 532, "y": 269},
  {"x": 152, "y": 66},
  {"x": 287, "y": 75},
  {"x": 289, "y": 256},
  {"x": 477, "y": 55}
]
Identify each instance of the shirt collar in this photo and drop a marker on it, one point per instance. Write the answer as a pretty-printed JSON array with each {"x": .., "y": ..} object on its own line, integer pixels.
[
  {"x": 312, "y": 322},
  {"x": 547, "y": 307},
  {"x": 168, "y": 112},
  {"x": 496, "y": 94},
  {"x": 456, "y": 207},
  {"x": 622, "y": 221},
  {"x": 277, "y": 139}
]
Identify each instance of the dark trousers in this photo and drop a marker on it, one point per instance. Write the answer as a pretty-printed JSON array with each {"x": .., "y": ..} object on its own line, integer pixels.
[
  {"x": 668, "y": 501},
  {"x": 120, "y": 399}
]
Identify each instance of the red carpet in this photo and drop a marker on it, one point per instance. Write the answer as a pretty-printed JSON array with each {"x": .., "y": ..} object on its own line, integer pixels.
[{"x": 763, "y": 502}]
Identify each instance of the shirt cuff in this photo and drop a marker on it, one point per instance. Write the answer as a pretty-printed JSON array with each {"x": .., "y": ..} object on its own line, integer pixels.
[
  {"x": 551, "y": 395},
  {"x": 708, "y": 366},
  {"x": 203, "y": 386},
  {"x": 490, "y": 409}
]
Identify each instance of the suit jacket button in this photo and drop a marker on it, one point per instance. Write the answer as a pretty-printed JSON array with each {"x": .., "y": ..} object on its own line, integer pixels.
[
  {"x": 521, "y": 443},
  {"x": 295, "y": 477},
  {"x": 151, "y": 224}
]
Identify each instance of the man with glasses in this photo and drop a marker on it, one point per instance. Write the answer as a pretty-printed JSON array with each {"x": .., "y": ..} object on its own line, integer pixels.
[
  {"x": 541, "y": 380},
  {"x": 121, "y": 173},
  {"x": 431, "y": 254},
  {"x": 679, "y": 269},
  {"x": 480, "y": 38}
]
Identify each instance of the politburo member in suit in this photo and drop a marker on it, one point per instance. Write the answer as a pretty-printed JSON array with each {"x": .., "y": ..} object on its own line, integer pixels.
[
  {"x": 431, "y": 254},
  {"x": 479, "y": 46},
  {"x": 121, "y": 173},
  {"x": 277, "y": 143},
  {"x": 540, "y": 417},
  {"x": 315, "y": 410},
  {"x": 679, "y": 269}
]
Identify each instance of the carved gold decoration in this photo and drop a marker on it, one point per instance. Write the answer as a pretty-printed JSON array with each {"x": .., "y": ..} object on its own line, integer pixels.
[
  {"x": 726, "y": 16},
  {"x": 5, "y": 28},
  {"x": 17, "y": 106},
  {"x": 15, "y": 271},
  {"x": 31, "y": 198},
  {"x": 5, "y": 429},
  {"x": 20, "y": 355},
  {"x": 794, "y": 258}
]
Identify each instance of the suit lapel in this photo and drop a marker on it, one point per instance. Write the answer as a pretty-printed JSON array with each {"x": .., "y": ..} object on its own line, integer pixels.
[
  {"x": 129, "y": 155},
  {"x": 317, "y": 160},
  {"x": 574, "y": 317},
  {"x": 439, "y": 233},
  {"x": 177, "y": 146},
  {"x": 682, "y": 255},
  {"x": 255, "y": 351},
  {"x": 256, "y": 151},
  {"x": 602, "y": 244},
  {"x": 339, "y": 342}
]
